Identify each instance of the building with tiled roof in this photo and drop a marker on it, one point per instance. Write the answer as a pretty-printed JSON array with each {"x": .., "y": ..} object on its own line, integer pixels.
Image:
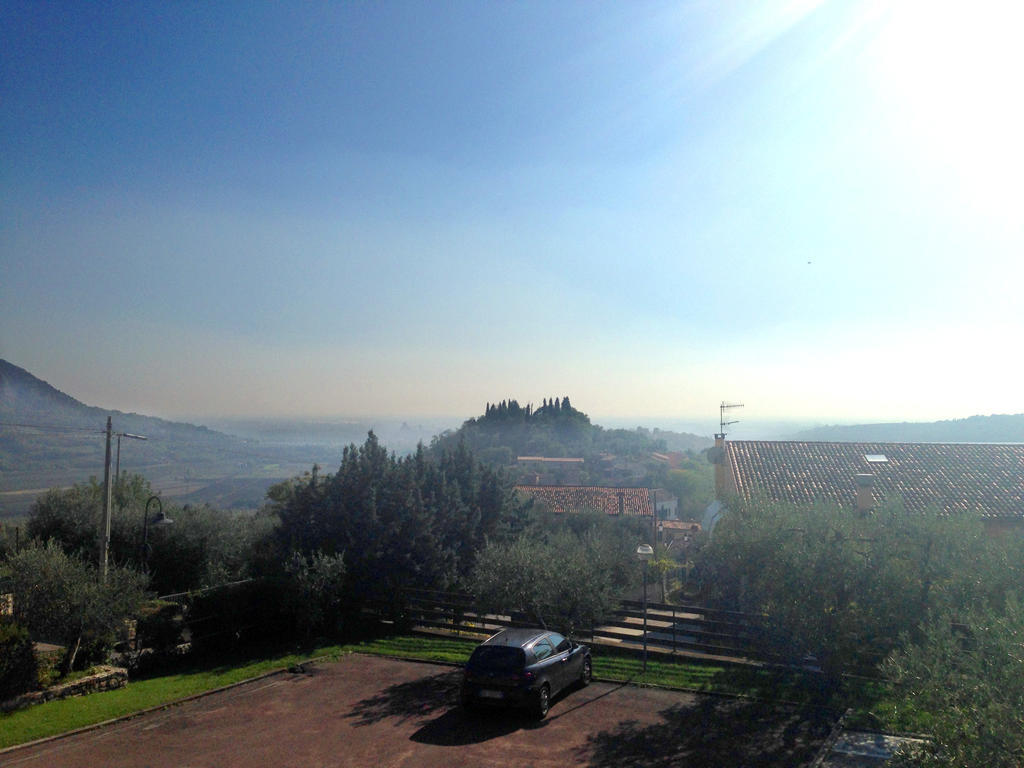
[
  {"x": 954, "y": 478},
  {"x": 548, "y": 460},
  {"x": 571, "y": 499},
  {"x": 682, "y": 533}
]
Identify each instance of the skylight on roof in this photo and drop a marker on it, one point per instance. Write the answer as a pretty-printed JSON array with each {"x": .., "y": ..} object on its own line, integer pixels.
[{"x": 876, "y": 458}]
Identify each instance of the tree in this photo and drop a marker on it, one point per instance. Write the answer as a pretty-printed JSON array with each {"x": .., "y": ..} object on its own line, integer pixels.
[
  {"x": 693, "y": 484},
  {"x": 69, "y": 516},
  {"x": 563, "y": 583},
  {"x": 839, "y": 586},
  {"x": 970, "y": 681},
  {"x": 412, "y": 522},
  {"x": 660, "y": 567},
  {"x": 314, "y": 589},
  {"x": 565, "y": 573},
  {"x": 60, "y": 598},
  {"x": 203, "y": 548}
]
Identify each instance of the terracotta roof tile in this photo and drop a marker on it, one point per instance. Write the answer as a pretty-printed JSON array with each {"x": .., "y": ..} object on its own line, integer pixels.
[
  {"x": 580, "y": 498},
  {"x": 987, "y": 479}
]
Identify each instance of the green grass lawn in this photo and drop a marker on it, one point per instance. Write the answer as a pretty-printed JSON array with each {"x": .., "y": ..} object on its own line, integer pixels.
[
  {"x": 195, "y": 677},
  {"x": 55, "y": 717}
]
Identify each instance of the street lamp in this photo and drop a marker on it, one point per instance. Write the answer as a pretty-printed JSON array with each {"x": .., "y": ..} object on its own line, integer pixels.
[
  {"x": 107, "y": 485},
  {"x": 160, "y": 521},
  {"x": 645, "y": 552}
]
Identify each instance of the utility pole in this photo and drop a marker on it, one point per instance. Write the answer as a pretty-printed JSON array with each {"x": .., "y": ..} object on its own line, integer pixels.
[
  {"x": 105, "y": 524},
  {"x": 654, "y": 517}
]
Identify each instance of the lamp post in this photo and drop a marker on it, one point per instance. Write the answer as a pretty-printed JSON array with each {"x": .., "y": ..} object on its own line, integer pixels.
[
  {"x": 117, "y": 464},
  {"x": 645, "y": 552},
  {"x": 159, "y": 521},
  {"x": 105, "y": 521}
]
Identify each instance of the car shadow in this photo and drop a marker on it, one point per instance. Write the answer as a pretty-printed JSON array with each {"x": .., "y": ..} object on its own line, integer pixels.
[
  {"x": 458, "y": 726},
  {"x": 713, "y": 732},
  {"x": 434, "y": 700}
]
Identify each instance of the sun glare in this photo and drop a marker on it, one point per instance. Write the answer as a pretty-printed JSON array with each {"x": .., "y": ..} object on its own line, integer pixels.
[{"x": 950, "y": 72}]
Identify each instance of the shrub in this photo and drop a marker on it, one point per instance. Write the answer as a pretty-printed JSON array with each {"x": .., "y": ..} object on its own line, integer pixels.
[
  {"x": 160, "y": 626},
  {"x": 227, "y": 617},
  {"x": 19, "y": 672}
]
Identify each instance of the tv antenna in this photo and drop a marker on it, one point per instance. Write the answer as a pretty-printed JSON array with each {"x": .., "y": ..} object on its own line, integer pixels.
[{"x": 722, "y": 423}]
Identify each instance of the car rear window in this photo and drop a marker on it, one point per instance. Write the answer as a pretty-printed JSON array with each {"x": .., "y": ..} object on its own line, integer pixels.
[{"x": 499, "y": 658}]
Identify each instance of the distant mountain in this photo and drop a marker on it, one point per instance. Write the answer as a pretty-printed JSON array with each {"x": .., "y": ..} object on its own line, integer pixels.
[
  {"x": 25, "y": 399},
  {"x": 998, "y": 428},
  {"x": 49, "y": 439}
]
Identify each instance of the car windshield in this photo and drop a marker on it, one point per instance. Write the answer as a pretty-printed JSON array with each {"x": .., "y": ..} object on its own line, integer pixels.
[{"x": 499, "y": 658}]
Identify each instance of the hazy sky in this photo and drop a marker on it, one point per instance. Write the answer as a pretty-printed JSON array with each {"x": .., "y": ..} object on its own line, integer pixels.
[{"x": 811, "y": 207}]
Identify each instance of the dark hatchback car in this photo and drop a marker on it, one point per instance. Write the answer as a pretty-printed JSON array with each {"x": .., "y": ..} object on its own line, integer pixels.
[{"x": 524, "y": 668}]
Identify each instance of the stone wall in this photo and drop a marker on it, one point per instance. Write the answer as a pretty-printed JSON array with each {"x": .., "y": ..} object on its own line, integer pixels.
[{"x": 103, "y": 679}]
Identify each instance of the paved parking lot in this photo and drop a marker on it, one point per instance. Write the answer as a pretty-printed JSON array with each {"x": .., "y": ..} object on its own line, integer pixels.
[{"x": 369, "y": 711}]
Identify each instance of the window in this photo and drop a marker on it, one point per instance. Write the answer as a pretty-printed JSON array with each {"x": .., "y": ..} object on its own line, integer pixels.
[
  {"x": 498, "y": 658},
  {"x": 561, "y": 644},
  {"x": 876, "y": 458},
  {"x": 542, "y": 649}
]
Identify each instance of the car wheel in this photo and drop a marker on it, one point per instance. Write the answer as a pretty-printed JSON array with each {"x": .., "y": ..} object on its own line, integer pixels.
[
  {"x": 586, "y": 673},
  {"x": 543, "y": 703}
]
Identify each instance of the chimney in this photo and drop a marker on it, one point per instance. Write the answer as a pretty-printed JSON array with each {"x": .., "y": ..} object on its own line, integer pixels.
[
  {"x": 717, "y": 457},
  {"x": 865, "y": 499}
]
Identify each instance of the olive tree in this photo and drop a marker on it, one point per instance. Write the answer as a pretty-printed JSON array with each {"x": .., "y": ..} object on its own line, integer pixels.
[
  {"x": 969, "y": 679},
  {"x": 566, "y": 580},
  {"x": 203, "y": 548},
  {"x": 60, "y": 598},
  {"x": 840, "y": 586}
]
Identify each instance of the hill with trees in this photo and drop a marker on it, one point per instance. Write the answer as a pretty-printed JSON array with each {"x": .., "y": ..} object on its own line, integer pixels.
[
  {"x": 556, "y": 429},
  {"x": 997, "y": 428}
]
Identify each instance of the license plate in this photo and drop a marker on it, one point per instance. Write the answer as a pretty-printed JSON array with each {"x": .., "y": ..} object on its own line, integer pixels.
[{"x": 485, "y": 694}]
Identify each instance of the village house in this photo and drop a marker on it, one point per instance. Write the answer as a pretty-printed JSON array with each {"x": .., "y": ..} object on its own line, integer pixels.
[
  {"x": 982, "y": 479},
  {"x": 666, "y": 505},
  {"x": 678, "y": 534}
]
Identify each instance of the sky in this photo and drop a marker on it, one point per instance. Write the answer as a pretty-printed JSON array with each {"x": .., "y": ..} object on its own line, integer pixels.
[{"x": 812, "y": 207}]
